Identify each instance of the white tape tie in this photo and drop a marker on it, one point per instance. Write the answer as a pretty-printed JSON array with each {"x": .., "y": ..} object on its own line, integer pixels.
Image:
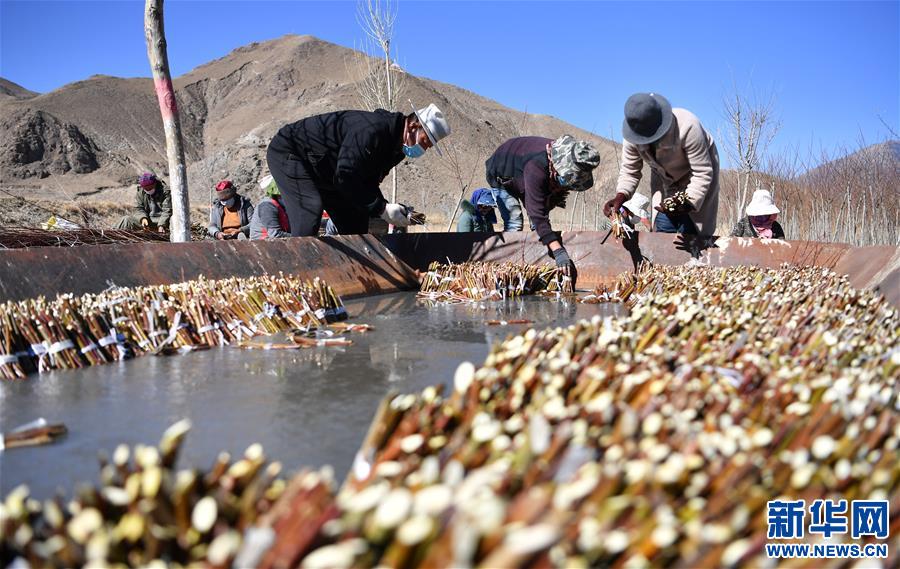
[
  {"x": 89, "y": 348},
  {"x": 7, "y": 359},
  {"x": 39, "y": 349}
]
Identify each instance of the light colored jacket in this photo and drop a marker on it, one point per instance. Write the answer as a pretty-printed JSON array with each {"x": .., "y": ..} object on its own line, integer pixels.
[{"x": 686, "y": 159}]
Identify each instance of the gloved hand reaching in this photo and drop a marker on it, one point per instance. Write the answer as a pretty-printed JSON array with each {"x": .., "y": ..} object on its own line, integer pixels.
[
  {"x": 565, "y": 264},
  {"x": 613, "y": 205},
  {"x": 396, "y": 214}
]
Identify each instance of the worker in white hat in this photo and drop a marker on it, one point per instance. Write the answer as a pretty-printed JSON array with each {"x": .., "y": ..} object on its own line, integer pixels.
[
  {"x": 336, "y": 162},
  {"x": 637, "y": 210},
  {"x": 761, "y": 217}
]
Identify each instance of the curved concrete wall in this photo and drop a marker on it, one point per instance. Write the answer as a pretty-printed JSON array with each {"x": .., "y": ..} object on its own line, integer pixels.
[{"x": 358, "y": 265}]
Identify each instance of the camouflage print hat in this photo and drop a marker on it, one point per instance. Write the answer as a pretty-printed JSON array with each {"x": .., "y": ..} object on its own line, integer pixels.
[{"x": 574, "y": 161}]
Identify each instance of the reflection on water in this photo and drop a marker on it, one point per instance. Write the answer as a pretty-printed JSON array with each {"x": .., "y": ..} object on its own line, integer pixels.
[{"x": 307, "y": 407}]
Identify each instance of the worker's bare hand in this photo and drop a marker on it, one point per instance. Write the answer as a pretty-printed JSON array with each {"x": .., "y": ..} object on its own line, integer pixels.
[
  {"x": 162, "y": 229},
  {"x": 613, "y": 205}
]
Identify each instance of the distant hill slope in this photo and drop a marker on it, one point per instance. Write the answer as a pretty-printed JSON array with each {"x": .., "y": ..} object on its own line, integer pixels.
[
  {"x": 10, "y": 89},
  {"x": 881, "y": 157},
  {"x": 93, "y": 137}
]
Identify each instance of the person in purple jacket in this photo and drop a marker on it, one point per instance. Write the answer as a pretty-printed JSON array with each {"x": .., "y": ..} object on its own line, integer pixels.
[{"x": 541, "y": 172}]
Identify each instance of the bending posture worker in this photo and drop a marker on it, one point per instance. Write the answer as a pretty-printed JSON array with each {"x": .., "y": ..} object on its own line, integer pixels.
[
  {"x": 270, "y": 220},
  {"x": 684, "y": 164},
  {"x": 541, "y": 172},
  {"x": 478, "y": 214},
  {"x": 761, "y": 217},
  {"x": 336, "y": 161},
  {"x": 152, "y": 208},
  {"x": 229, "y": 213}
]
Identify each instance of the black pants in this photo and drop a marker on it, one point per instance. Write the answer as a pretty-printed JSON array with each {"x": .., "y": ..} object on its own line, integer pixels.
[{"x": 304, "y": 198}]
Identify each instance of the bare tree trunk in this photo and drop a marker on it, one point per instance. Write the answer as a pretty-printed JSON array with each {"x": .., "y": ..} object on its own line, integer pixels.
[{"x": 180, "y": 227}]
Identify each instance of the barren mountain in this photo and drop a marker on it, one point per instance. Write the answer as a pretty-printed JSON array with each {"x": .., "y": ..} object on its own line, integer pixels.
[
  {"x": 93, "y": 137},
  {"x": 10, "y": 89}
]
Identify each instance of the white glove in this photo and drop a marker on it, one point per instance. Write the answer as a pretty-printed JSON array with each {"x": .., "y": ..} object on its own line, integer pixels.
[{"x": 396, "y": 214}]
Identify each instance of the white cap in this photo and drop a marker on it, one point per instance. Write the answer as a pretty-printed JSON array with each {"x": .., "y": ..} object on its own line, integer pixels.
[
  {"x": 434, "y": 124},
  {"x": 761, "y": 204},
  {"x": 638, "y": 205}
]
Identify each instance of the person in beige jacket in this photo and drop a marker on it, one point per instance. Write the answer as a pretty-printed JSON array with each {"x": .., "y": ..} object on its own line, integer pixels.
[{"x": 684, "y": 164}]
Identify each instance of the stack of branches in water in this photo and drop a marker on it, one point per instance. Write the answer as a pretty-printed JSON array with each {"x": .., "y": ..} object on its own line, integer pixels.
[
  {"x": 627, "y": 288},
  {"x": 480, "y": 281},
  {"x": 655, "y": 439},
  {"x": 25, "y": 237},
  {"x": 91, "y": 329}
]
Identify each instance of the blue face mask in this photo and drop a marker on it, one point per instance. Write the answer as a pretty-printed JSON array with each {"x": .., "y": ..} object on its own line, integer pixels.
[{"x": 413, "y": 151}]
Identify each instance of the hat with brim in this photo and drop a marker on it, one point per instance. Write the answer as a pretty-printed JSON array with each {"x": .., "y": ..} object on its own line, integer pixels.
[
  {"x": 762, "y": 203},
  {"x": 574, "y": 161},
  {"x": 434, "y": 124},
  {"x": 637, "y": 205},
  {"x": 648, "y": 117},
  {"x": 486, "y": 199},
  {"x": 268, "y": 185}
]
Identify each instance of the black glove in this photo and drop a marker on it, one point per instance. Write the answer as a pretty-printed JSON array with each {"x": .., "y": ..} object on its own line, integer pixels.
[{"x": 613, "y": 205}]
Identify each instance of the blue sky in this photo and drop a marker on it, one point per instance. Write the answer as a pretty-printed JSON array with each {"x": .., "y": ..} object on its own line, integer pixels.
[{"x": 834, "y": 67}]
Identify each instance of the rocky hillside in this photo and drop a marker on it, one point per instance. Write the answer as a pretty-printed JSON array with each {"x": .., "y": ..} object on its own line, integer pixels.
[{"x": 90, "y": 139}]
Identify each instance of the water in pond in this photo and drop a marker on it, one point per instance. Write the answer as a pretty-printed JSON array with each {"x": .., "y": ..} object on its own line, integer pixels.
[{"x": 306, "y": 407}]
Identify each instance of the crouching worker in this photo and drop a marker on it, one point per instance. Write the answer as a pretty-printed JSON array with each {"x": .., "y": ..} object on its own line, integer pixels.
[
  {"x": 336, "y": 161},
  {"x": 229, "y": 214},
  {"x": 541, "y": 172},
  {"x": 152, "y": 208},
  {"x": 477, "y": 215},
  {"x": 270, "y": 220},
  {"x": 760, "y": 219}
]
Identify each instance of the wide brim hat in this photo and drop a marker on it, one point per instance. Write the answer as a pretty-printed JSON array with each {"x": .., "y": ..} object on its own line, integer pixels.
[
  {"x": 762, "y": 203},
  {"x": 574, "y": 161},
  {"x": 638, "y": 205},
  {"x": 268, "y": 185},
  {"x": 648, "y": 117},
  {"x": 434, "y": 124}
]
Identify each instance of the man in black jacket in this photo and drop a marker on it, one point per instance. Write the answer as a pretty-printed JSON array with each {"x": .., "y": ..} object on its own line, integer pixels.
[
  {"x": 541, "y": 172},
  {"x": 336, "y": 161}
]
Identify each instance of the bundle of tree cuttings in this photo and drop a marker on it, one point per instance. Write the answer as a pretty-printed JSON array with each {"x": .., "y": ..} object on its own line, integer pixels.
[
  {"x": 627, "y": 288},
  {"x": 482, "y": 281},
  {"x": 91, "y": 329},
  {"x": 25, "y": 237},
  {"x": 660, "y": 439},
  {"x": 38, "y": 432}
]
